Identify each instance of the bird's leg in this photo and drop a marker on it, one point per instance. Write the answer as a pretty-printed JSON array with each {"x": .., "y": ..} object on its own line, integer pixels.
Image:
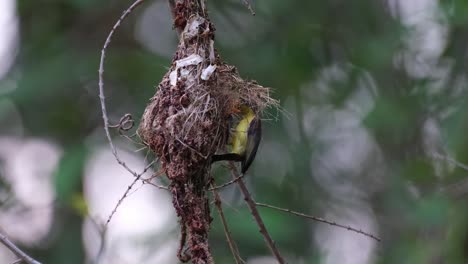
[{"x": 228, "y": 157}]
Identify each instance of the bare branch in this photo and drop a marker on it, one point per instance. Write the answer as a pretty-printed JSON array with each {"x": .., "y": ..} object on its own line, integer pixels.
[
  {"x": 101, "y": 85},
  {"x": 258, "y": 219},
  {"x": 450, "y": 160},
  {"x": 127, "y": 191},
  {"x": 156, "y": 185},
  {"x": 247, "y": 4},
  {"x": 231, "y": 242},
  {"x": 318, "y": 219},
  {"x": 459, "y": 188},
  {"x": 18, "y": 252},
  {"x": 129, "y": 188},
  {"x": 125, "y": 122},
  {"x": 227, "y": 183}
]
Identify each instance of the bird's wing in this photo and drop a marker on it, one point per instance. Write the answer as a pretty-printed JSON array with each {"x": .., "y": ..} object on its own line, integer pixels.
[{"x": 254, "y": 135}]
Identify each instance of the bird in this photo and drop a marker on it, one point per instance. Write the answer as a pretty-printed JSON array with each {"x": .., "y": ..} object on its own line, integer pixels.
[{"x": 245, "y": 139}]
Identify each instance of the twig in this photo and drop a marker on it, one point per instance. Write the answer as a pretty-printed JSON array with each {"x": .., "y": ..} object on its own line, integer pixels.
[
  {"x": 122, "y": 124},
  {"x": 155, "y": 175},
  {"x": 102, "y": 235},
  {"x": 156, "y": 185},
  {"x": 18, "y": 252},
  {"x": 127, "y": 191},
  {"x": 318, "y": 219},
  {"x": 126, "y": 194},
  {"x": 459, "y": 188},
  {"x": 230, "y": 241},
  {"x": 227, "y": 183},
  {"x": 125, "y": 124},
  {"x": 104, "y": 231},
  {"x": 101, "y": 85},
  {"x": 450, "y": 160},
  {"x": 247, "y": 4},
  {"x": 258, "y": 219}
]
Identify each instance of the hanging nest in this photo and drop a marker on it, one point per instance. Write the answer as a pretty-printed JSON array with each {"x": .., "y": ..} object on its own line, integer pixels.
[{"x": 187, "y": 121}]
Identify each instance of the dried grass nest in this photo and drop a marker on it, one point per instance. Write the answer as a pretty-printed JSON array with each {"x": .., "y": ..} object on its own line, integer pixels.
[
  {"x": 194, "y": 102},
  {"x": 188, "y": 120}
]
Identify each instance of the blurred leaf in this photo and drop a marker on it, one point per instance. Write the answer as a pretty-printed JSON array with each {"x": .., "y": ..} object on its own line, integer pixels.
[
  {"x": 79, "y": 204},
  {"x": 432, "y": 213},
  {"x": 69, "y": 173}
]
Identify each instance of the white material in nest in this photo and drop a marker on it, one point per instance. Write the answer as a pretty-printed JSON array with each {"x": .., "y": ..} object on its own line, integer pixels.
[
  {"x": 193, "y": 59},
  {"x": 184, "y": 72},
  {"x": 207, "y": 72},
  {"x": 192, "y": 27},
  {"x": 173, "y": 77}
]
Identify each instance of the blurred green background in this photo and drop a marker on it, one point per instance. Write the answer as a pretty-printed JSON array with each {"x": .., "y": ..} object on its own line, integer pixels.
[{"x": 374, "y": 94}]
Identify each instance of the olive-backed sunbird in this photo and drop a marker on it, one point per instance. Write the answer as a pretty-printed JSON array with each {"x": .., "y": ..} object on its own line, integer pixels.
[{"x": 245, "y": 140}]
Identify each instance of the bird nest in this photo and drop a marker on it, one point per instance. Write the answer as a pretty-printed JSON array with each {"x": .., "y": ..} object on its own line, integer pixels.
[
  {"x": 193, "y": 103},
  {"x": 187, "y": 122}
]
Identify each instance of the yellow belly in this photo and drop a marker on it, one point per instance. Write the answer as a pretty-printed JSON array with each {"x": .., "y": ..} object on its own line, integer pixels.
[{"x": 240, "y": 137}]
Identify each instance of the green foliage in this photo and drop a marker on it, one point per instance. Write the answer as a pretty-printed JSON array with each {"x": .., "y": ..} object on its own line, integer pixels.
[{"x": 69, "y": 173}]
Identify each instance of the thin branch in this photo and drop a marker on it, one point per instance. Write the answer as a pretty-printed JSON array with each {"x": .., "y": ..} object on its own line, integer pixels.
[
  {"x": 459, "y": 188},
  {"x": 127, "y": 191},
  {"x": 156, "y": 185},
  {"x": 318, "y": 219},
  {"x": 126, "y": 120},
  {"x": 104, "y": 231},
  {"x": 101, "y": 85},
  {"x": 227, "y": 183},
  {"x": 230, "y": 240},
  {"x": 102, "y": 235},
  {"x": 155, "y": 175},
  {"x": 18, "y": 252},
  {"x": 258, "y": 219},
  {"x": 123, "y": 122},
  {"x": 125, "y": 194},
  {"x": 450, "y": 160},
  {"x": 247, "y": 4},
  {"x": 106, "y": 123}
]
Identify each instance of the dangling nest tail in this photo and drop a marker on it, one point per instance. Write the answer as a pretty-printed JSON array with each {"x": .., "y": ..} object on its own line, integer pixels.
[{"x": 186, "y": 122}]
